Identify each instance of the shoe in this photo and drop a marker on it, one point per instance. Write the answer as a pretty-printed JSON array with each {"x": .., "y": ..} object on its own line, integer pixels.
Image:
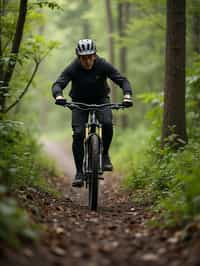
[
  {"x": 78, "y": 181},
  {"x": 107, "y": 165}
]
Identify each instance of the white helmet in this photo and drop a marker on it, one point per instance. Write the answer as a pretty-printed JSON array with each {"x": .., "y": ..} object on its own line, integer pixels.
[{"x": 85, "y": 47}]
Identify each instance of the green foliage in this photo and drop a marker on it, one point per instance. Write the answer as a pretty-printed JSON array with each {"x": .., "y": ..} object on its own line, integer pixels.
[
  {"x": 15, "y": 224},
  {"x": 180, "y": 188},
  {"x": 154, "y": 100},
  {"x": 21, "y": 161},
  {"x": 49, "y": 4},
  {"x": 145, "y": 36},
  {"x": 37, "y": 48},
  {"x": 193, "y": 98},
  {"x": 128, "y": 154},
  {"x": 169, "y": 178},
  {"x": 21, "y": 164},
  {"x": 33, "y": 49}
]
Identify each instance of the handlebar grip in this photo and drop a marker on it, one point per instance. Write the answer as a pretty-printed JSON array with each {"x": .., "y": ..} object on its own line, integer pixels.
[
  {"x": 61, "y": 102},
  {"x": 127, "y": 104}
]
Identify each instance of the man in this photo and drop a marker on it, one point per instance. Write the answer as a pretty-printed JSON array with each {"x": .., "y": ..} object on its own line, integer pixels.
[{"x": 88, "y": 74}]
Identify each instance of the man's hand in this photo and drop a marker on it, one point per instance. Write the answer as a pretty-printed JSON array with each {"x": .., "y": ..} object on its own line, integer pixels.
[
  {"x": 127, "y": 100},
  {"x": 60, "y": 100}
]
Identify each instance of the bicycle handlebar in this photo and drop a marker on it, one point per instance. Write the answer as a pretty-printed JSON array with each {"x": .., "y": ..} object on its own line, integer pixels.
[{"x": 91, "y": 107}]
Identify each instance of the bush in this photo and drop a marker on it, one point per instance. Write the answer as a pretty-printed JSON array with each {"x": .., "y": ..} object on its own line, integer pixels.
[
  {"x": 15, "y": 224},
  {"x": 21, "y": 158},
  {"x": 169, "y": 177},
  {"x": 22, "y": 163}
]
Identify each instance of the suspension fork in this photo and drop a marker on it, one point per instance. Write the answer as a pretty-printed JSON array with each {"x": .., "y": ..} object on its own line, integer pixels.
[
  {"x": 97, "y": 129},
  {"x": 93, "y": 127}
]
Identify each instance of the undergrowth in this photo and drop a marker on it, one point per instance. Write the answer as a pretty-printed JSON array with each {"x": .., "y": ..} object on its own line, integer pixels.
[
  {"x": 22, "y": 163},
  {"x": 166, "y": 177},
  {"x": 170, "y": 179}
]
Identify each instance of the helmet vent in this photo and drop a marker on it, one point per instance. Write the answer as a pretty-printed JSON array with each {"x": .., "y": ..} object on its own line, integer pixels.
[{"x": 85, "y": 47}]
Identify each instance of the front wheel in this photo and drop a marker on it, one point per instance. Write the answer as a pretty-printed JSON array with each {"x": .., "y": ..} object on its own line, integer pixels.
[{"x": 94, "y": 150}]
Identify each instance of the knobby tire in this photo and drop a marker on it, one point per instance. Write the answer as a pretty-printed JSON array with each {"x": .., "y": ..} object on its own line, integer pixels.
[{"x": 93, "y": 181}]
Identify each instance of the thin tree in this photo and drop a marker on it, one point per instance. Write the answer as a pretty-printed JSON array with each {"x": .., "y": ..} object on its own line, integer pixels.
[
  {"x": 174, "y": 120},
  {"x": 123, "y": 19},
  {"x": 9, "y": 68},
  {"x": 111, "y": 46}
]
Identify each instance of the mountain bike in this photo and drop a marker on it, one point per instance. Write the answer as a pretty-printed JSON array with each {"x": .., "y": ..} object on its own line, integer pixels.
[{"x": 93, "y": 147}]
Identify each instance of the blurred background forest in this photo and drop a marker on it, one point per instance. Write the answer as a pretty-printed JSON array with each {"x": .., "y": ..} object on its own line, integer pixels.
[
  {"x": 133, "y": 40},
  {"x": 138, "y": 34},
  {"x": 132, "y": 36}
]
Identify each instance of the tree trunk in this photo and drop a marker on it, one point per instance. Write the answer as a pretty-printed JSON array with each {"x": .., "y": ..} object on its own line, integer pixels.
[
  {"x": 111, "y": 47},
  {"x": 174, "y": 124},
  {"x": 14, "y": 52},
  {"x": 123, "y": 19}
]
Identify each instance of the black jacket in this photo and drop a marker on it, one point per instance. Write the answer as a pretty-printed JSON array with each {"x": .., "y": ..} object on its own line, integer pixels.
[{"x": 89, "y": 86}]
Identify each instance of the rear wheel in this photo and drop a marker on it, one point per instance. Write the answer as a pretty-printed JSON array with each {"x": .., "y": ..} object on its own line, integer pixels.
[{"x": 93, "y": 179}]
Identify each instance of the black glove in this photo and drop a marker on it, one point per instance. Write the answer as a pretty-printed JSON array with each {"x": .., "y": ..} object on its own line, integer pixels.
[
  {"x": 127, "y": 101},
  {"x": 61, "y": 101}
]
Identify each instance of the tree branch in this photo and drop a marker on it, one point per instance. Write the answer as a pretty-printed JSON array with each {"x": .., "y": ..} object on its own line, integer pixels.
[{"x": 25, "y": 89}]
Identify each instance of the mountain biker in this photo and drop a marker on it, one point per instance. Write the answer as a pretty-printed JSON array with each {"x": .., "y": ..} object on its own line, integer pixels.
[{"x": 88, "y": 74}]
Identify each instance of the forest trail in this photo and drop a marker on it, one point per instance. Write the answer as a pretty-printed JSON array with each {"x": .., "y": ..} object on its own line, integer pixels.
[{"x": 117, "y": 234}]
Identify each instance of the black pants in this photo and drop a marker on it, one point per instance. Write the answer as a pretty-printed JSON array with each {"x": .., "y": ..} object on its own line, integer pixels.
[{"x": 79, "y": 119}]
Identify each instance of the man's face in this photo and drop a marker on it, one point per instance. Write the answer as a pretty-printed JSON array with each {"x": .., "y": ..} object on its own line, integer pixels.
[{"x": 87, "y": 61}]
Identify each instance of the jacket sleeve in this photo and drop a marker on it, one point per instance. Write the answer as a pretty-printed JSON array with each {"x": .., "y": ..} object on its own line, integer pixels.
[
  {"x": 61, "y": 82},
  {"x": 117, "y": 78}
]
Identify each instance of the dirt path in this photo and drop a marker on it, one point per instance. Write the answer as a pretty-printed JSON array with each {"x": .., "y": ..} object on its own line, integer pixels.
[
  {"x": 115, "y": 235},
  {"x": 62, "y": 153}
]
